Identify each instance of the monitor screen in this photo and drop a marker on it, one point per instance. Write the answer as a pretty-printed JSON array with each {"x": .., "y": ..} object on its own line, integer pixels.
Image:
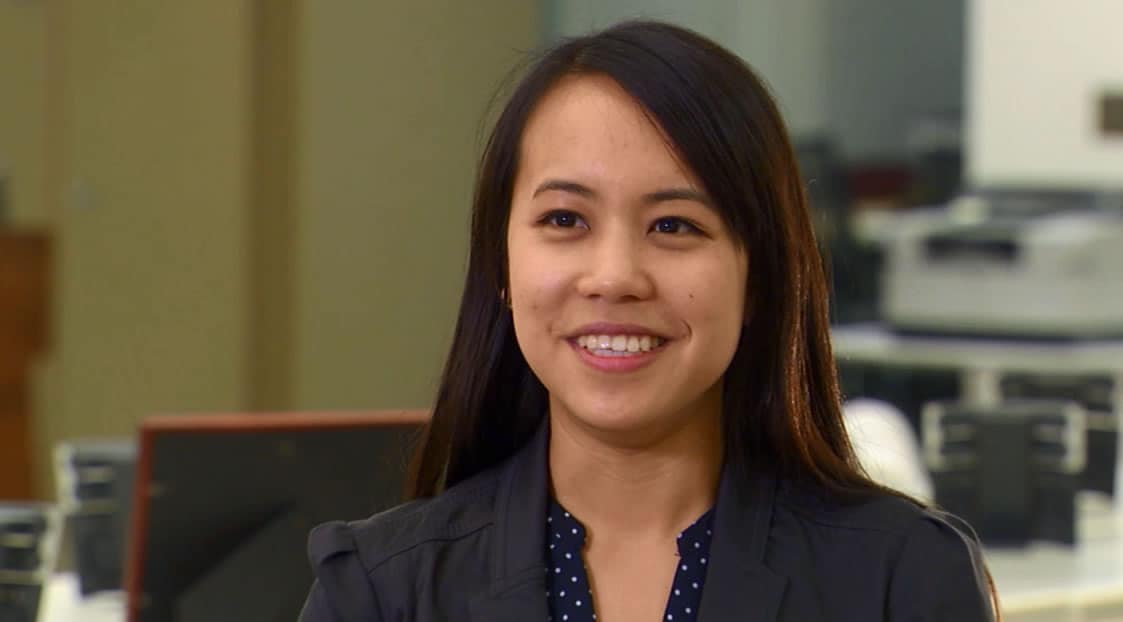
[{"x": 223, "y": 505}]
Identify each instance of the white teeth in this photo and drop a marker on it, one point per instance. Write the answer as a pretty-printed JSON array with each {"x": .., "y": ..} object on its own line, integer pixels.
[{"x": 619, "y": 344}]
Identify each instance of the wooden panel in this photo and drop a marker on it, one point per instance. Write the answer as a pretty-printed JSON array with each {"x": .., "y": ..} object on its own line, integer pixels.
[
  {"x": 23, "y": 335},
  {"x": 23, "y": 296},
  {"x": 15, "y": 445}
]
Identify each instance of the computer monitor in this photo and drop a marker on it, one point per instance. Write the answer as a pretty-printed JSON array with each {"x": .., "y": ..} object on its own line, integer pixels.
[{"x": 223, "y": 505}]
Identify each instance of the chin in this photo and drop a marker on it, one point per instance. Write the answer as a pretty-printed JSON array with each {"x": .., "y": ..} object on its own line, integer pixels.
[{"x": 624, "y": 421}]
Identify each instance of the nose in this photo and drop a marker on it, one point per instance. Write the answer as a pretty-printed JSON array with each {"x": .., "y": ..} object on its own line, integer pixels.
[{"x": 616, "y": 270}]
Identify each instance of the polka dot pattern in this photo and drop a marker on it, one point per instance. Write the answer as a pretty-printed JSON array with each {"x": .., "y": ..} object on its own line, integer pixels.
[{"x": 567, "y": 582}]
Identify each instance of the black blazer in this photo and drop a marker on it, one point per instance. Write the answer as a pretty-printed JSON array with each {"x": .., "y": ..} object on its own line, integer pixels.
[{"x": 477, "y": 553}]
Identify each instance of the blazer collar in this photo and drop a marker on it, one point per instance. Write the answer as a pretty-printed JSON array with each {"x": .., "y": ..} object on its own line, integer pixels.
[
  {"x": 738, "y": 584},
  {"x": 518, "y": 582}
]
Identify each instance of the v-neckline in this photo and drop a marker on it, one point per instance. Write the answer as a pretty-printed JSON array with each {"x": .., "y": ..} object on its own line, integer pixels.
[{"x": 568, "y": 590}]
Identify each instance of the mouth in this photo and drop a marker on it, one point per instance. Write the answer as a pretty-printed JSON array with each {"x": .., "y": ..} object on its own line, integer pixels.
[
  {"x": 617, "y": 348},
  {"x": 607, "y": 345}
]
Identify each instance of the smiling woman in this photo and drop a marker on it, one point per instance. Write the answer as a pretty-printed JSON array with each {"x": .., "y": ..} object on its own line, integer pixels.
[{"x": 639, "y": 418}]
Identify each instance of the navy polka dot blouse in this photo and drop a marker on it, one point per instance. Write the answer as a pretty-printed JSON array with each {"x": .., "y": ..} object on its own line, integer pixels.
[{"x": 567, "y": 584}]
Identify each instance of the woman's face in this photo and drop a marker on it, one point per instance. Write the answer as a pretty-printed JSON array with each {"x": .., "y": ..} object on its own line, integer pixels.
[{"x": 627, "y": 289}]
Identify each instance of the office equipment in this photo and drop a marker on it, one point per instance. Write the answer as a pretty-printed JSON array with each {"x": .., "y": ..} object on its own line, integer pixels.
[
  {"x": 1011, "y": 470},
  {"x": 95, "y": 482},
  {"x": 991, "y": 371},
  {"x": 26, "y": 551},
  {"x": 1036, "y": 265},
  {"x": 1096, "y": 394},
  {"x": 224, "y": 504},
  {"x": 24, "y": 279}
]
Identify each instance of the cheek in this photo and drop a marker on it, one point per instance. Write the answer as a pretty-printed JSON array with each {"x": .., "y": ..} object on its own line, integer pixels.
[
  {"x": 714, "y": 301},
  {"x": 535, "y": 288},
  {"x": 538, "y": 288}
]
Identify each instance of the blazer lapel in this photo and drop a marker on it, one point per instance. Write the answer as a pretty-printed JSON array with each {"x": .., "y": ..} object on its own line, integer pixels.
[
  {"x": 739, "y": 587},
  {"x": 524, "y": 600},
  {"x": 518, "y": 581}
]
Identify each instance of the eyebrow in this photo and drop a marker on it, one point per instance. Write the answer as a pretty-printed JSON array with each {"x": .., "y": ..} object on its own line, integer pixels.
[
  {"x": 562, "y": 185},
  {"x": 659, "y": 196}
]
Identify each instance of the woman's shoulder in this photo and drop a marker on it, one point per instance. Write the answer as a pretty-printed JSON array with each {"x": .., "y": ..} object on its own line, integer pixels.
[
  {"x": 878, "y": 528},
  {"x": 456, "y": 512},
  {"x": 874, "y": 511},
  {"x": 928, "y": 560},
  {"x": 368, "y": 565}
]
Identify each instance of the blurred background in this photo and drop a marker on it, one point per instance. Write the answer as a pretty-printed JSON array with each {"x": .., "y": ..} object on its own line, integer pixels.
[{"x": 262, "y": 205}]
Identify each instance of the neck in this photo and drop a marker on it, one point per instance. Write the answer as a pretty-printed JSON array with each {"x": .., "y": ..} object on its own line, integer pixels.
[{"x": 655, "y": 489}]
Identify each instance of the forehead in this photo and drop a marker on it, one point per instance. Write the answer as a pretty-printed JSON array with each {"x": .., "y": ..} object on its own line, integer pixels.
[{"x": 588, "y": 125}]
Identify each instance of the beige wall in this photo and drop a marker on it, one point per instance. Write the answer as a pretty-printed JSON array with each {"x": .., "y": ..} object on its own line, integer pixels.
[
  {"x": 151, "y": 267},
  {"x": 393, "y": 97},
  {"x": 257, "y": 203},
  {"x": 23, "y": 95},
  {"x": 273, "y": 208}
]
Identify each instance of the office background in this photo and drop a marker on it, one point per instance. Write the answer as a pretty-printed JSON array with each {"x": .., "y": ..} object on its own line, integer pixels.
[
  {"x": 232, "y": 189},
  {"x": 252, "y": 205},
  {"x": 262, "y": 205}
]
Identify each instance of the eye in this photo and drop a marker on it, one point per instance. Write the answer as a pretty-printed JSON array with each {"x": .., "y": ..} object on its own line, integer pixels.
[
  {"x": 563, "y": 219},
  {"x": 674, "y": 225}
]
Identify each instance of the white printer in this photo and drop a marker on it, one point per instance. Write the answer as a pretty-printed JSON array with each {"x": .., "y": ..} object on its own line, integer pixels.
[{"x": 1009, "y": 265}]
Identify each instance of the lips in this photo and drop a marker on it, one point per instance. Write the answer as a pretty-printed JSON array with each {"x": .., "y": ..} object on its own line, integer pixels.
[{"x": 613, "y": 329}]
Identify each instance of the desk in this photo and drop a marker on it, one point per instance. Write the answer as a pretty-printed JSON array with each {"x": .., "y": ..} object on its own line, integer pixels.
[
  {"x": 981, "y": 361},
  {"x": 62, "y": 602},
  {"x": 1054, "y": 583}
]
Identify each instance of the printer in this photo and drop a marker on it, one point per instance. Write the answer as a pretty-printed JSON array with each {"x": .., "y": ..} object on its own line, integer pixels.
[{"x": 1009, "y": 264}]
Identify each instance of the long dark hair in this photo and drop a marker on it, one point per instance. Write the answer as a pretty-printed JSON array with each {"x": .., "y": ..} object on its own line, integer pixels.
[{"x": 781, "y": 402}]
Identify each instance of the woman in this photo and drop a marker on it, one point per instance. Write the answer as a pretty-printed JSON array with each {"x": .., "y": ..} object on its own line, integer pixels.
[{"x": 639, "y": 418}]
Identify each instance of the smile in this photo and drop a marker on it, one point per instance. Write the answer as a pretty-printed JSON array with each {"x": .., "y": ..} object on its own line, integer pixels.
[
  {"x": 618, "y": 353},
  {"x": 618, "y": 345}
]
